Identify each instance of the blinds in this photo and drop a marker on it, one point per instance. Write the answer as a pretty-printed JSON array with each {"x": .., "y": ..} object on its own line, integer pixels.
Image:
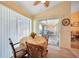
[{"x": 12, "y": 25}]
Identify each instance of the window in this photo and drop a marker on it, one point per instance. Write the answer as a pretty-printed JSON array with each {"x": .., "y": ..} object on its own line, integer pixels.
[{"x": 51, "y": 29}]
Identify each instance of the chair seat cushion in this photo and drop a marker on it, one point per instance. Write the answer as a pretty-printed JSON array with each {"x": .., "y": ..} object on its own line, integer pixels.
[{"x": 21, "y": 52}]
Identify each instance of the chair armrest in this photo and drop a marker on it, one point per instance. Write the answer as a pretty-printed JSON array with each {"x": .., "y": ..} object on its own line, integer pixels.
[{"x": 16, "y": 43}]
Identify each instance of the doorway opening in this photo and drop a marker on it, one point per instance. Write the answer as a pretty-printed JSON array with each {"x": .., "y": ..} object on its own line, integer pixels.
[{"x": 51, "y": 29}]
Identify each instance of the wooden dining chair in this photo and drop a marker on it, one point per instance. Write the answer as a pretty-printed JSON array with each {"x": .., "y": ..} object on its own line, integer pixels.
[
  {"x": 35, "y": 51},
  {"x": 46, "y": 38},
  {"x": 17, "y": 52}
]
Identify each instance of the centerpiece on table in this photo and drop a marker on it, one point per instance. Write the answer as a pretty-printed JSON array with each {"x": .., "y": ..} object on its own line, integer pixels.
[{"x": 33, "y": 35}]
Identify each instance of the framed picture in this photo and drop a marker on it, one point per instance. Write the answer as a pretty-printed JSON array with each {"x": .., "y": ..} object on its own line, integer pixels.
[{"x": 66, "y": 21}]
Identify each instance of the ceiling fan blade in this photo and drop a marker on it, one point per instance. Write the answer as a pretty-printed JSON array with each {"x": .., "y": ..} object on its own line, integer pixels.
[
  {"x": 46, "y": 3},
  {"x": 37, "y": 2}
]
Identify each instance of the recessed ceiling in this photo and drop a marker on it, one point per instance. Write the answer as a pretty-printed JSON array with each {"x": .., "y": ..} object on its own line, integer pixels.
[{"x": 34, "y": 10}]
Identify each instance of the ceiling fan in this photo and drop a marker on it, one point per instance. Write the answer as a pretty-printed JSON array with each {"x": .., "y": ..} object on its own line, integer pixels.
[{"x": 46, "y": 3}]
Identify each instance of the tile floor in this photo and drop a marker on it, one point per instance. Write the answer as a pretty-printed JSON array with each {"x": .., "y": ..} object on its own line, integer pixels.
[{"x": 56, "y": 52}]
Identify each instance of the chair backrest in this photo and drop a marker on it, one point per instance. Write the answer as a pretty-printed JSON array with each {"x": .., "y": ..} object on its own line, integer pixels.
[
  {"x": 34, "y": 50},
  {"x": 46, "y": 38},
  {"x": 12, "y": 45}
]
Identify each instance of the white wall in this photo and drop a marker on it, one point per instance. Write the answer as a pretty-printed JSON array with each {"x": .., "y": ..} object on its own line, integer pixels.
[
  {"x": 11, "y": 27},
  {"x": 74, "y": 6}
]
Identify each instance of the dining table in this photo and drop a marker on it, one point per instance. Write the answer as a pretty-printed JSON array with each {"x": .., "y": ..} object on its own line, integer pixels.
[{"x": 37, "y": 40}]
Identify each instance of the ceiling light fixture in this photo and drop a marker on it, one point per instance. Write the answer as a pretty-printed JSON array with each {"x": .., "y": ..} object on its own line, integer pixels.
[{"x": 46, "y": 3}]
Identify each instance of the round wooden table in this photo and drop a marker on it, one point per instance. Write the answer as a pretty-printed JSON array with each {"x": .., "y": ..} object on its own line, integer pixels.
[{"x": 38, "y": 40}]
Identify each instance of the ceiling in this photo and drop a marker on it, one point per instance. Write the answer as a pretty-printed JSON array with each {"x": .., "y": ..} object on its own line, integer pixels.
[
  {"x": 54, "y": 10},
  {"x": 29, "y": 6}
]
